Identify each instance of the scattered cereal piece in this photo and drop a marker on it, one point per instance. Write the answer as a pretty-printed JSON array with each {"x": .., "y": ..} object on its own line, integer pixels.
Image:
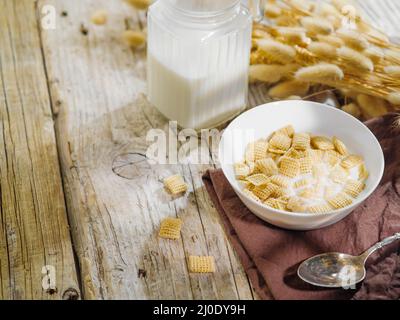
[
  {"x": 201, "y": 264},
  {"x": 99, "y": 17},
  {"x": 139, "y": 4},
  {"x": 170, "y": 228},
  {"x": 175, "y": 184},
  {"x": 134, "y": 38}
]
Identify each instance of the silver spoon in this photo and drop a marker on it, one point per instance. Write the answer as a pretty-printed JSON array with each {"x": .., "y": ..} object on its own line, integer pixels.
[{"x": 334, "y": 270}]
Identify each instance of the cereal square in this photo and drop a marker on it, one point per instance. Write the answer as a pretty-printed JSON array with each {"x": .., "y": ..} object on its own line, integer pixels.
[
  {"x": 201, "y": 264},
  {"x": 170, "y": 228},
  {"x": 175, "y": 184}
]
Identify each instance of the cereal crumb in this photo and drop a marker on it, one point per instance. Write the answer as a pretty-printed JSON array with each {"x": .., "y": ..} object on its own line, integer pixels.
[
  {"x": 134, "y": 38},
  {"x": 99, "y": 17},
  {"x": 139, "y": 4}
]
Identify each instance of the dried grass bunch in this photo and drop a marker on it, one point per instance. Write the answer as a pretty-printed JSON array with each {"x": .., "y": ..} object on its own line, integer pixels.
[{"x": 304, "y": 44}]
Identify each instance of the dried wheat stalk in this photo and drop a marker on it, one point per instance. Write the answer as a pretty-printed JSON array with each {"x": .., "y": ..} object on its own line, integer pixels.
[{"x": 322, "y": 44}]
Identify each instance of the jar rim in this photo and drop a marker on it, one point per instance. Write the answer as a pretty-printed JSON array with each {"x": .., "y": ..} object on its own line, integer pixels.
[{"x": 214, "y": 11}]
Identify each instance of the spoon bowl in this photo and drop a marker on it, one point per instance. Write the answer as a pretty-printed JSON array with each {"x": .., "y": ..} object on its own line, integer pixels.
[
  {"x": 332, "y": 270},
  {"x": 338, "y": 270}
]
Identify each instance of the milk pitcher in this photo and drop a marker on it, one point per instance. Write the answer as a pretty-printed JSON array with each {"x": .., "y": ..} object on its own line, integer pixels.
[{"x": 198, "y": 60}]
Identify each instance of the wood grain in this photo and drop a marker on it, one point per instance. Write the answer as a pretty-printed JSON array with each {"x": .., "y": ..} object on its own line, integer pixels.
[
  {"x": 33, "y": 223},
  {"x": 115, "y": 198}
]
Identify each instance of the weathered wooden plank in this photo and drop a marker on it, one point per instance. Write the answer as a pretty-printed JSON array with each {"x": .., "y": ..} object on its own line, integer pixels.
[
  {"x": 115, "y": 198},
  {"x": 114, "y": 205},
  {"x": 34, "y": 229}
]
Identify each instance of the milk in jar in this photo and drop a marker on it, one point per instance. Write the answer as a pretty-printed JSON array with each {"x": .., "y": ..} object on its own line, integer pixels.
[{"x": 198, "y": 58}]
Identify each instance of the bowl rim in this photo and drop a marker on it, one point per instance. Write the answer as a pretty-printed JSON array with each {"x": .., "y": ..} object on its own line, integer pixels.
[{"x": 357, "y": 201}]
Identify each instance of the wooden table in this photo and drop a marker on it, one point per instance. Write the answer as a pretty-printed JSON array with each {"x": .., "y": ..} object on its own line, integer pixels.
[{"x": 77, "y": 195}]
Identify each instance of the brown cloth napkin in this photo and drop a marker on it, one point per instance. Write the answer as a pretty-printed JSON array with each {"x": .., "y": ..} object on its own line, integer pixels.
[{"x": 270, "y": 255}]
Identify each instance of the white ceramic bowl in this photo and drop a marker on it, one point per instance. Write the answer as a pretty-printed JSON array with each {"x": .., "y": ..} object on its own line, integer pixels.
[{"x": 305, "y": 116}]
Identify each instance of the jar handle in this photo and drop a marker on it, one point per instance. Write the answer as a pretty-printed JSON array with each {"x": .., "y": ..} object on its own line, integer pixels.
[{"x": 255, "y": 9}]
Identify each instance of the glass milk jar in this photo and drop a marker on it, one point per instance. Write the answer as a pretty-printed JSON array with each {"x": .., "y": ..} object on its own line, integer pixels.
[{"x": 198, "y": 58}]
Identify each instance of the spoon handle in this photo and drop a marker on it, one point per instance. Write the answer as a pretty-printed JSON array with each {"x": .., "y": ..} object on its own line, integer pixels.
[{"x": 379, "y": 245}]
